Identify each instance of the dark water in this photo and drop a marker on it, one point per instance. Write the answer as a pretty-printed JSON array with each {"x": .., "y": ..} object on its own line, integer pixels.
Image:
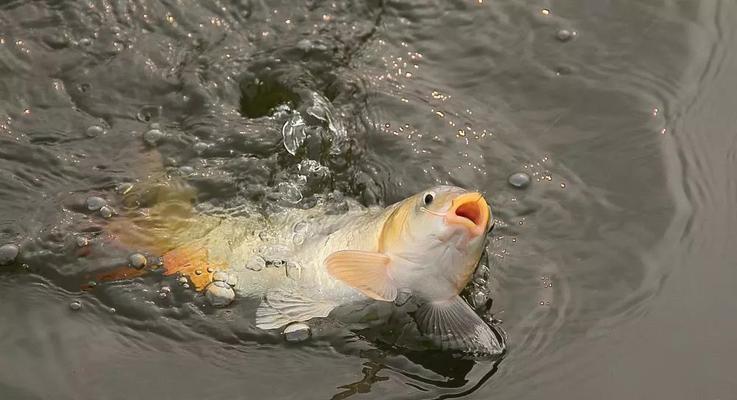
[{"x": 614, "y": 273}]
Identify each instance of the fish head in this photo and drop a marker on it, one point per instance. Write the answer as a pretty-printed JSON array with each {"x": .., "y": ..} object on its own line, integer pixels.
[{"x": 438, "y": 233}]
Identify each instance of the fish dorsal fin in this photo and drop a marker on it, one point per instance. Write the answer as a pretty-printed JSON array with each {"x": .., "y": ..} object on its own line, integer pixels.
[
  {"x": 286, "y": 305},
  {"x": 365, "y": 271},
  {"x": 453, "y": 325}
]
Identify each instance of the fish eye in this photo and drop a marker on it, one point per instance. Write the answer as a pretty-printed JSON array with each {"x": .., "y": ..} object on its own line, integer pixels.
[{"x": 428, "y": 198}]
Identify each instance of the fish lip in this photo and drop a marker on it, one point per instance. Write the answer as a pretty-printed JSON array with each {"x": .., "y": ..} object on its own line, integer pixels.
[{"x": 470, "y": 211}]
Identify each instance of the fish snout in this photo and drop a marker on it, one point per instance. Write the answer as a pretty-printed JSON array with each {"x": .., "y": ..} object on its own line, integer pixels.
[{"x": 470, "y": 211}]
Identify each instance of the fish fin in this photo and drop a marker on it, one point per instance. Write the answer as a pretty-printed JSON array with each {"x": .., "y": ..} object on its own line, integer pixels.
[
  {"x": 282, "y": 307},
  {"x": 192, "y": 262},
  {"x": 453, "y": 325},
  {"x": 365, "y": 271},
  {"x": 118, "y": 274}
]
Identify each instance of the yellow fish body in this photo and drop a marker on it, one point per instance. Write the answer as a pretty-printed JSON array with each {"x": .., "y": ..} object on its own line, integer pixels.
[{"x": 427, "y": 246}]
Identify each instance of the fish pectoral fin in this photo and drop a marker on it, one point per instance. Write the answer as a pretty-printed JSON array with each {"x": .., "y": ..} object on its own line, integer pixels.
[
  {"x": 365, "y": 271},
  {"x": 453, "y": 325},
  {"x": 286, "y": 305}
]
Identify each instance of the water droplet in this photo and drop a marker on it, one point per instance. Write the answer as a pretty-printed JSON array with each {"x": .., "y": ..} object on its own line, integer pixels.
[
  {"x": 112, "y": 310},
  {"x": 163, "y": 295},
  {"x": 293, "y": 133},
  {"x": 186, "y": 170},
  {"x": 221, "y": 276},
  {"x": 520, "y": 180},
  {"x": 183, "y": 280},
  {"x": 152, "y": 137},
  {"x": 198, "y": 272},
  {"x": 148, "y": 113},
  {"x": 256, "y": 263},
  {"x": 186, "y": 286},
  {"x": 82, "y": 241},
  {"x": 137, "y": 260},
  {"x": 562, "y": 185},
  {"x": 545, "y": 11},
  {"x": 8, "y": 253},
  {"x": 92, "y": 284},
  {"x": 106, "y": 212},
  {"x": 165, "y": 289},
  {"x": 95, "y": 203},
  {"x": 220, "y": 294},
  {"x": 85, "y": 42},
  {"x": 209, "y": 269},
  {"x": 298, "y": 238},
  {"x": 293, "y": 270},
  {"x": 94, "y": 131},
  {"x": 75, "y": 305},
  {"x": 297, "y": 332},
  {"x": 201, "y": 147},
  {"x": 565, "y": 35}
]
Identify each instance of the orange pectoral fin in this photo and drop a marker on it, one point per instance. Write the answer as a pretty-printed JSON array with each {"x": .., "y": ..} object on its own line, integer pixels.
[{"x": 365, "y": 271}]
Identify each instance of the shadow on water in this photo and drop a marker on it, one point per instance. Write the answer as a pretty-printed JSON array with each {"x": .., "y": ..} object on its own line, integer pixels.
[{"x": 615, "y": 110}]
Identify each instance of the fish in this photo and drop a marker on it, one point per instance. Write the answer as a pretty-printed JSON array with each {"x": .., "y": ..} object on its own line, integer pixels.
[{"x": 304, "y": 264}]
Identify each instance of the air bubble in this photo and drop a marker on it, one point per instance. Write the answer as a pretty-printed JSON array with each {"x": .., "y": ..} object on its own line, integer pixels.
[
  {"x": 75, "y": 305},
  {"x": 94, "y": 131},
  {"x": 8, "y": 253},
  {"x": 95, "y": 203},
  {"x": 220, "y": 294},
  {"x": 106, "y": 212},
  {"x": 152, "y": 137},
  {"x": 293, "y": 270},
  {"x": 137, "y": 260},
  {"x": 221, "y": 276},
  {"x": 565, "y": 35},
  {"x": 256, "y": 263},
  {"x": 519, "y": 180},
  {"x": 297, "y": 332}
]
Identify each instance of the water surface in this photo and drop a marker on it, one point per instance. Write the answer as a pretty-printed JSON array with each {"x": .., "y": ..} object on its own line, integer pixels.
[{"x": 613, "y": 272}]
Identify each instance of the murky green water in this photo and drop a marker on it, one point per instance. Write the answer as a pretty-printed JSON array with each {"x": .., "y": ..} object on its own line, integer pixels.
[{"x": 613, "y": 272}]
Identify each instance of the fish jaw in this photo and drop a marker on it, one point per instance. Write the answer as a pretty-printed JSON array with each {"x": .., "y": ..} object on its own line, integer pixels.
[{"x": 471, "y": 212}]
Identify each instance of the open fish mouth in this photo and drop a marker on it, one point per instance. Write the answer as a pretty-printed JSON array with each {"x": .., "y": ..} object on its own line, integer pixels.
[{"x": 471, "y": 211}]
